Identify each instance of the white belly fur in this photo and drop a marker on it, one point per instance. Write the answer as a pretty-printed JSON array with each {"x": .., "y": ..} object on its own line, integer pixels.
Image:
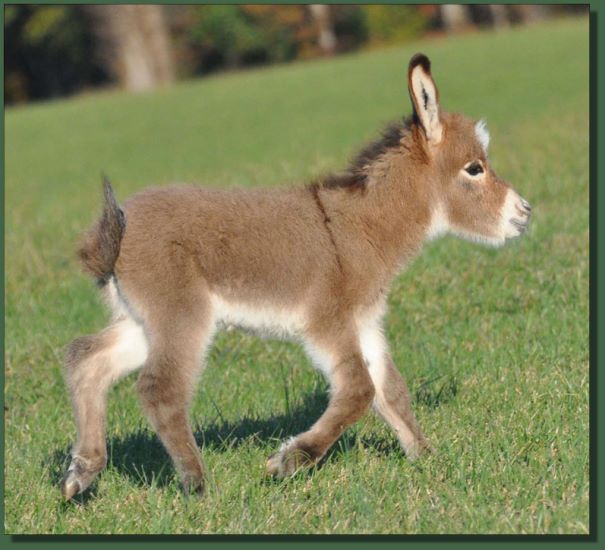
[{"x": 269, "y": 321}]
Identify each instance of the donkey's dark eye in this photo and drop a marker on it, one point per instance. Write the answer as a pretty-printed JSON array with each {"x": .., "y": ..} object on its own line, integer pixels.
[{"x": 474, "y": 169}]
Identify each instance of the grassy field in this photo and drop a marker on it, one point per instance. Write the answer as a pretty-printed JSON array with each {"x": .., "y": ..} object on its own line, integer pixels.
[{"x": 493, "y": 343}]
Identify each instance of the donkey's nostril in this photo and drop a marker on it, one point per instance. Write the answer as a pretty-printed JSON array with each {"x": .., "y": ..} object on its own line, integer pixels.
[{"x": 526, "y": 205}]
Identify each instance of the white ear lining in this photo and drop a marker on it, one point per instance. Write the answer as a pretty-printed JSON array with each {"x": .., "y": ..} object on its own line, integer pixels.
[
  {"x": 425, "y": 95},
  {"x": 482, "y": 134}
]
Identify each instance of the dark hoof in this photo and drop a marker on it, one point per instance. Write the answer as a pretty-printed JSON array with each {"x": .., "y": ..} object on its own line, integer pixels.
[{"x": 193, "y": 486}]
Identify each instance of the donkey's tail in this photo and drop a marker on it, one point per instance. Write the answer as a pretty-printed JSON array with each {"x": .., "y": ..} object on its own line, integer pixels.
[{"x": 100, "y": 247}]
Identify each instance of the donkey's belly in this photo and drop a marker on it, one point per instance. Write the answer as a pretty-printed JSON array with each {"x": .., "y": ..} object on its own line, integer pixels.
[{"x": 265, "y": 320}]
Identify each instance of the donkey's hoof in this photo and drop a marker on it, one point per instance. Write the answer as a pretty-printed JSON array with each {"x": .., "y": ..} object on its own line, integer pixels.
[
  {"x": 193, "y": 486},
  {"x": 288, "y": 460},
  {"x": 418, "y": 449},
  {"x": 279, "y": 466},
  {"x": 79, "y": 476},
  {"x": 427, "y": 448},
  {"x": 70, "y": 486}
]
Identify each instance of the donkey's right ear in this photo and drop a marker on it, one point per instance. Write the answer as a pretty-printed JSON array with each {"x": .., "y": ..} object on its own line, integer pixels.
[{"x": 425, "y": 97}]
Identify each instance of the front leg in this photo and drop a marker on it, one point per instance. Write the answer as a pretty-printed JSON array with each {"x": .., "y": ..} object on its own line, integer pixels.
[
  {"x": 392, "y": 401},
  {"x": 393, "y": 404},
  {"x": 352, "y": 392}
]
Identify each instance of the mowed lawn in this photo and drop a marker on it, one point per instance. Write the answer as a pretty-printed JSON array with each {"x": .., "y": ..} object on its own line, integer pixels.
[{"x": 493, "y": 343}]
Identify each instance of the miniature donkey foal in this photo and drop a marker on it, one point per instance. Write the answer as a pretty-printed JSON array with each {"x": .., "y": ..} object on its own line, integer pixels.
[{"x": 313, "y": 262}]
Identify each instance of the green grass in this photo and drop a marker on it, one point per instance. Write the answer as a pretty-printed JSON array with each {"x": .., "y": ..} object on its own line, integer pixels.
[{"x": 493, "y": 343}]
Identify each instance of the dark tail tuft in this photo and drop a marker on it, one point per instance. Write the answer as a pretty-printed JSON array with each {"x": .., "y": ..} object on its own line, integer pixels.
[{"x": 101, "y": 245}]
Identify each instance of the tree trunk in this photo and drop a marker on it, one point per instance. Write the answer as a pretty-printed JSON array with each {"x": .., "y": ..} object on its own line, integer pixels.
[
  {"x": 326, "y": 39},
  {"x": 455, "y": 17},
  {"x": 499, "y": 15},
  {"x": 534, "y": 12},
  {"x": 134, "y": 44}
]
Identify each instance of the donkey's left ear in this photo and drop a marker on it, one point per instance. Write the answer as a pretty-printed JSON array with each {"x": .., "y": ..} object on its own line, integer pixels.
[{"x": 425, "y": 97}]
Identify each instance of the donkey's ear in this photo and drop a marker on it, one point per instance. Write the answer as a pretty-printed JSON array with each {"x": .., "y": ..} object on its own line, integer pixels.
[{"x": 425, "y": 97}]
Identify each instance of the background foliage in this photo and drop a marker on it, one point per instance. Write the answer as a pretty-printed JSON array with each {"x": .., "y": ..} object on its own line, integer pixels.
[
  {"x": 58, "y": 50},
  {"x": 49, "y": 51}
]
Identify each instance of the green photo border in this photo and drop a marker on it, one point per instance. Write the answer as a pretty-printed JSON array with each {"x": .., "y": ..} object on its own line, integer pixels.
[{"x": 596, "y": 515}]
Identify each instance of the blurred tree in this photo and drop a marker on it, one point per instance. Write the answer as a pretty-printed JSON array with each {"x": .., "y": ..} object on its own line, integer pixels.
[
  {"x": 53, "y": 50},
  {"x": 229, "y": 36},
  {"x": 534, "y": 12},
  {"x": 455, "y": 17},
  {"x": 388, "y": 23},
  {"x": 134, "y": 44},
  {"x": 48, "y": 51},
  {"x": 224, "y": 32},
  {"x": 287, "y": 28},
  {"x": 499, "y": 15},
  {"x": 350, "y": 27},
  {"x": 326, "y": 37}
]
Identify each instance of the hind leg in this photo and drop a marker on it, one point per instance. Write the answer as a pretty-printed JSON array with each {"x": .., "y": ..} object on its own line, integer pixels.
[
  {"x": 167, "y": 382},
  {"x": 93, "y": 364}
]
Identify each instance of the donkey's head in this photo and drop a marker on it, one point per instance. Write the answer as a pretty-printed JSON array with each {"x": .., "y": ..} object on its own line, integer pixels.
[{"x": 468, "y": 198}]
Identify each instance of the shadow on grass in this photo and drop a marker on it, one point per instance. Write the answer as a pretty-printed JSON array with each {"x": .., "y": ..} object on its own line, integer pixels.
[
  {"x": 141, "y": 457},
  {"x": 436, "y": 391}
]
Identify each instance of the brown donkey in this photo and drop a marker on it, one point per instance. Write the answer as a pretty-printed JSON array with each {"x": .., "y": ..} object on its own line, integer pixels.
[{"x": 314, "y": 263}]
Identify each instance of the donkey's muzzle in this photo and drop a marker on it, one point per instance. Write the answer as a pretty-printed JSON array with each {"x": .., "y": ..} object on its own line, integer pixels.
[{"x": 522, "y": 215}]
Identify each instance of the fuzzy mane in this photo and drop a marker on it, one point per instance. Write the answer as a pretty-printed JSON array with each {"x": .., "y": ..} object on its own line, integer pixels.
[{"x": 355, "y": 176}]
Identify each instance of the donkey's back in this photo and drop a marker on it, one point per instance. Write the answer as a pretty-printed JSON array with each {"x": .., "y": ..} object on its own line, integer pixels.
[{"x": 234, "y": 242}]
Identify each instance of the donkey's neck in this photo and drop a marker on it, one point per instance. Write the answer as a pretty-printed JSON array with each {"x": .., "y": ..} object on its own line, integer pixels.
[{"x": 382, "y": 225}]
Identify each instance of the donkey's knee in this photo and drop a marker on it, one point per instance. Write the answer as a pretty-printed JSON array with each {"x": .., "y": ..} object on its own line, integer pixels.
[
  {"x": 79, "y": 349},
  {"x": 164, "y": 401},
  {"x": 365, "y": 392},
  {"x": 107, "y": 356},
  {"x": 158, "y": 393},
  {"x": 353, "y": 387},
  {"x": 77, "y": 352}
]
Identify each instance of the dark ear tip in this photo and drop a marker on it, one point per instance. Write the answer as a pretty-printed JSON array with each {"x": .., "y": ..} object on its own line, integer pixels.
[{"x": 420, "y": 59}]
